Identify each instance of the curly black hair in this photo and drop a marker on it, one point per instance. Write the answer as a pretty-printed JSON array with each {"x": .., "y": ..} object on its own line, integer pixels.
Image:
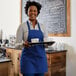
[{"x": 30, "y": 3}]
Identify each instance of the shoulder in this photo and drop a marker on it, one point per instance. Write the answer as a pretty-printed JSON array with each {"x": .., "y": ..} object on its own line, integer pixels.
[
  {"x": 42, "y": 26},
  {"x": 23, "y": 25}
]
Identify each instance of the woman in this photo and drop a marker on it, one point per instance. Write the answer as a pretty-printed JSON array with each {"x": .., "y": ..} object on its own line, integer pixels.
[{"x": 33, "y": 60}]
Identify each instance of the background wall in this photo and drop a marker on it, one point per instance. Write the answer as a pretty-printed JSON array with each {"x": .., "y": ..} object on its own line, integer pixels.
[
  {"x": 10, "y": 20},
  {"x": 9, "y": 16}
]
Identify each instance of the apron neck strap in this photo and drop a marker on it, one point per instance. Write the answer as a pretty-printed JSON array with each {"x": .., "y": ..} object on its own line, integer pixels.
[
  {"x": 39, "y": 26},
  {"x": 29, "y": 25}
]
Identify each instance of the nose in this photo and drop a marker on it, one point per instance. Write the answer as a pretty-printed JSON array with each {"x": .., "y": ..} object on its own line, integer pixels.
[{"x": 32, "y": 12}]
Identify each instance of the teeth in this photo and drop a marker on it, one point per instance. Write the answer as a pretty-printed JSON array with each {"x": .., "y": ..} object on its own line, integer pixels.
[{"x": 32, "y": 14}]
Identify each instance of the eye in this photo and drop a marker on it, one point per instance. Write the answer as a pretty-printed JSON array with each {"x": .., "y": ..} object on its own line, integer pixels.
[
  {"x": 35, "y": 10},
  {"x": 30, "y": 10}
]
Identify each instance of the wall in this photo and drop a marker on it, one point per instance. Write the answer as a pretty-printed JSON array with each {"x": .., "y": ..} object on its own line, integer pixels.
[
  {"x": 10, "y": 20},
  {"x": 9, "y": 16}
]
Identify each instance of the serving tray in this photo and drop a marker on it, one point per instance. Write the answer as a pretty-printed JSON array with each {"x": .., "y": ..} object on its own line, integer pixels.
[{"x": 40, "y": 43}]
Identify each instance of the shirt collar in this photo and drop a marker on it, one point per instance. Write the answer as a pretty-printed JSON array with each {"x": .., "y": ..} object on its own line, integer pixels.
[{"x": 31, "y": 22}]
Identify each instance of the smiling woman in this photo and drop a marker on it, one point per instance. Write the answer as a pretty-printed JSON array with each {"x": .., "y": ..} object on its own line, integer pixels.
[{"x": 33, "y": 60}]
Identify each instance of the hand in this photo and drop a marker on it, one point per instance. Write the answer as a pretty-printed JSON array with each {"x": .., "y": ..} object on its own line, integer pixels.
[
  {"x": 46, "y": 45},
  {"x": 26, "y": 44}
]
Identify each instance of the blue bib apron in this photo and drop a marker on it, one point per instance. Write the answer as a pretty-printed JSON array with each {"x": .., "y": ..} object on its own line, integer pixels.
[{"x": 33, "y": 59}]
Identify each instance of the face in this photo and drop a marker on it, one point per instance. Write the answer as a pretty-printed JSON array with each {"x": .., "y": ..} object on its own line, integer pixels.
[{"x": 32, "y": 12}]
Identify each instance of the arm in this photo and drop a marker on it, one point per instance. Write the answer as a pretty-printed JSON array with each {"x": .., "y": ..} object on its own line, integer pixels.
[
  {"x": 19, "y": 37},
  {"x": 45, "y": 33}
]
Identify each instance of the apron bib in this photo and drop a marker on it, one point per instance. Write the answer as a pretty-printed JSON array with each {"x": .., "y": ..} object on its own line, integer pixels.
[{"x": 33, "y": 59}]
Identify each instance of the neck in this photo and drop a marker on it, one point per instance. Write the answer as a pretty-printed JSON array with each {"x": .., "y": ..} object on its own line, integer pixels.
[{"x": 34, "y": 22}]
